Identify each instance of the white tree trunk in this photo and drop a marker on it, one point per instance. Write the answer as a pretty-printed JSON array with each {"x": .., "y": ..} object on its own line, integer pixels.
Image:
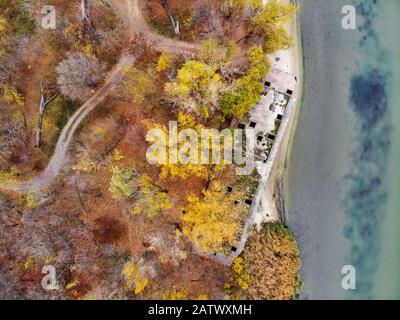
[
  {"x": 174, "y": 22},
  {"x": 44, "y": 102}
]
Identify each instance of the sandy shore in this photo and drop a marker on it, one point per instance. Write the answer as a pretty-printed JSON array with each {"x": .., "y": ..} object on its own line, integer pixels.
[{"x": 288, "y": 61}]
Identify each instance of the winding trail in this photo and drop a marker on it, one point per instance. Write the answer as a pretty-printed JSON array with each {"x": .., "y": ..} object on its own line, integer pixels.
[
  {"x": 57, "y": 160},
  {"x": 132, "y": 12},
  {"x": 161, "y": 43}
]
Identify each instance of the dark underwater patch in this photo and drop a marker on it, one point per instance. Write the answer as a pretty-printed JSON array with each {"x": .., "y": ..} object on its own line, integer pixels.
[
  {"x": 366, "y": 193},
  {"x": 369, "y": 97}
]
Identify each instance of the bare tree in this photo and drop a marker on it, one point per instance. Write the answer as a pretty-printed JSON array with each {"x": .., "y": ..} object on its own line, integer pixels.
[
  {"x": 88, "y": 27},
  {"x": 210, "y": 17},
  {"x": 214, "y": 25},
  {"x": 47, "y": 96},
  {"x": 174, "y": 22},
  {"x": 86, "y": 19},
  {"x": 78, "y": 75},
  {"x": 12, "y": 136}
]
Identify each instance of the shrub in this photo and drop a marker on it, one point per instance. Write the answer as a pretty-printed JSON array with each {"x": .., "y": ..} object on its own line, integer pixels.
[
  {"x": 269, "y": 267},
  {"x": 123, "y": 183}
]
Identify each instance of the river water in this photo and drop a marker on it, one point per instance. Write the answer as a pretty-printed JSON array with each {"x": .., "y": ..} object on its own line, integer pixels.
[{"x": 342, "y": 185}]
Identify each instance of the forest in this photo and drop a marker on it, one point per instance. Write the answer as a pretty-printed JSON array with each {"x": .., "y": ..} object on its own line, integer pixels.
[{"x": 113, "y": 225}]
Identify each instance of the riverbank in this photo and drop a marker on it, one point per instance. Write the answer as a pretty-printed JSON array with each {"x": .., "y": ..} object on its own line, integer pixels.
[{"x": 290, "y": 61}]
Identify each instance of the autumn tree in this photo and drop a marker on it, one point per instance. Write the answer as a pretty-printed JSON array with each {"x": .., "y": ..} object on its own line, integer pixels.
[
  {"x": 192, "y": 149},
  {"x": 13, "y": 123},
  {"x": 12, "y": 96},
  {"x": 15, "y": 99},
  {"x": 142, "y": 49},
  {"x": 87, "y": 19},
  {"x": 105, "y": 30},
  {"x": 8, "y": 178},
  {"x": 210, "y": 18},
  {"x": 212, "y": 221},
  {"x": 246, "y": 91},
  {"x": 230, "y": 7},
  {"x": 12, "y": 136},
  {"x": 196, "y": 88},
  {"x": 182, "y": 295},
  {"x": 124, "y": 183},
  {"x": 269, "y": 267},
  {"x": 217, "y": 55},
  {"x": 16, "y": 26},
  {"x": 134, "y": 276},
  {"x": 98, "y": 144},
  {"x": 3, "y": 26},
  {"x": 164, "y": 62},
  {"x": 79, "y": 75},
  {"x": 151, "y": 199},
  {"x": 139, "y": 84},
  {"x": 270, "y": 23},
  {"x": 175, "y": 295}
]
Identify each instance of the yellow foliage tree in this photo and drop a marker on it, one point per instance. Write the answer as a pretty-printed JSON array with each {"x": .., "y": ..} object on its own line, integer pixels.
[
  {"x": 196, "y": 88},
  {"x": 164, "y": 62},
  {"x": 178, "y": 170},
  {"x": 213, "y": 221},
  {"x": 242, "y": 278},
  {"x": 134, "y": 278},
  {"x": 3, "y": 26},
  {"x": 245, "y": 93},
  {"x": 28, "y": 263},
  {"x": 8, "y": 178},
  {"x": 139, "y": 84},
  {"x": 232, "y": 6},
  {"x": 151, "y": 199},
  {"x": 270, "y": 22},
  {"x": 269, "y": 267},
  {"x": 175, "y": 295},
  {"x": 123, "y": 183},
  {"x": 182, "y": 295},
  {"x": 193, "y": 148},
  {"x": 215, "y": 54},
  {"x": 12, "y": 96},
  {"x": 85, "y": 163},
  {"x": 32, "y": 200}
]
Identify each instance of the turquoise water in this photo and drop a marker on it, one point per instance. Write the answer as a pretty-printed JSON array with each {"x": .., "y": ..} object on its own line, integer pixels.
[{"x": 343, "y": 182}]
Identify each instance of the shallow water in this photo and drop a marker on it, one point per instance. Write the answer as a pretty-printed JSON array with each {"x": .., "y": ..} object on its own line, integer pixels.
[{"x": 342, "y": 183}]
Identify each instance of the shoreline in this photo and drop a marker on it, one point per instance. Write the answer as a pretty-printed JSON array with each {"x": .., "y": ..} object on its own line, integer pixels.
[{"x": 275, "y": 189}]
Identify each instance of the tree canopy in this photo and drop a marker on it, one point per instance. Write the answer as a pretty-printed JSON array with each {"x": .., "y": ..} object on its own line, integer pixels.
[
  {"x": 139, "y": 84},
  {"x": 246, "y": 91},
  {"x": 270, "y": 23},
  {"x": 212, "y": 221},
  {"x": 79, "y": 75},
  {"x": 123, "y": 183},
  {"x": 269, "y": 267},
  {"x": 151, "y": 199},
  {"x": 196, "y": 88},
  {"x": 134, "y": 278}
]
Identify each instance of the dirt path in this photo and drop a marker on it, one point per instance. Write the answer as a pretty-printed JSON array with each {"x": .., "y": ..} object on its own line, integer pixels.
[
  {"x": 162, "y": 43},
  {"x": 57, "y": 161},
  {"x": 131, "y": 10}
]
